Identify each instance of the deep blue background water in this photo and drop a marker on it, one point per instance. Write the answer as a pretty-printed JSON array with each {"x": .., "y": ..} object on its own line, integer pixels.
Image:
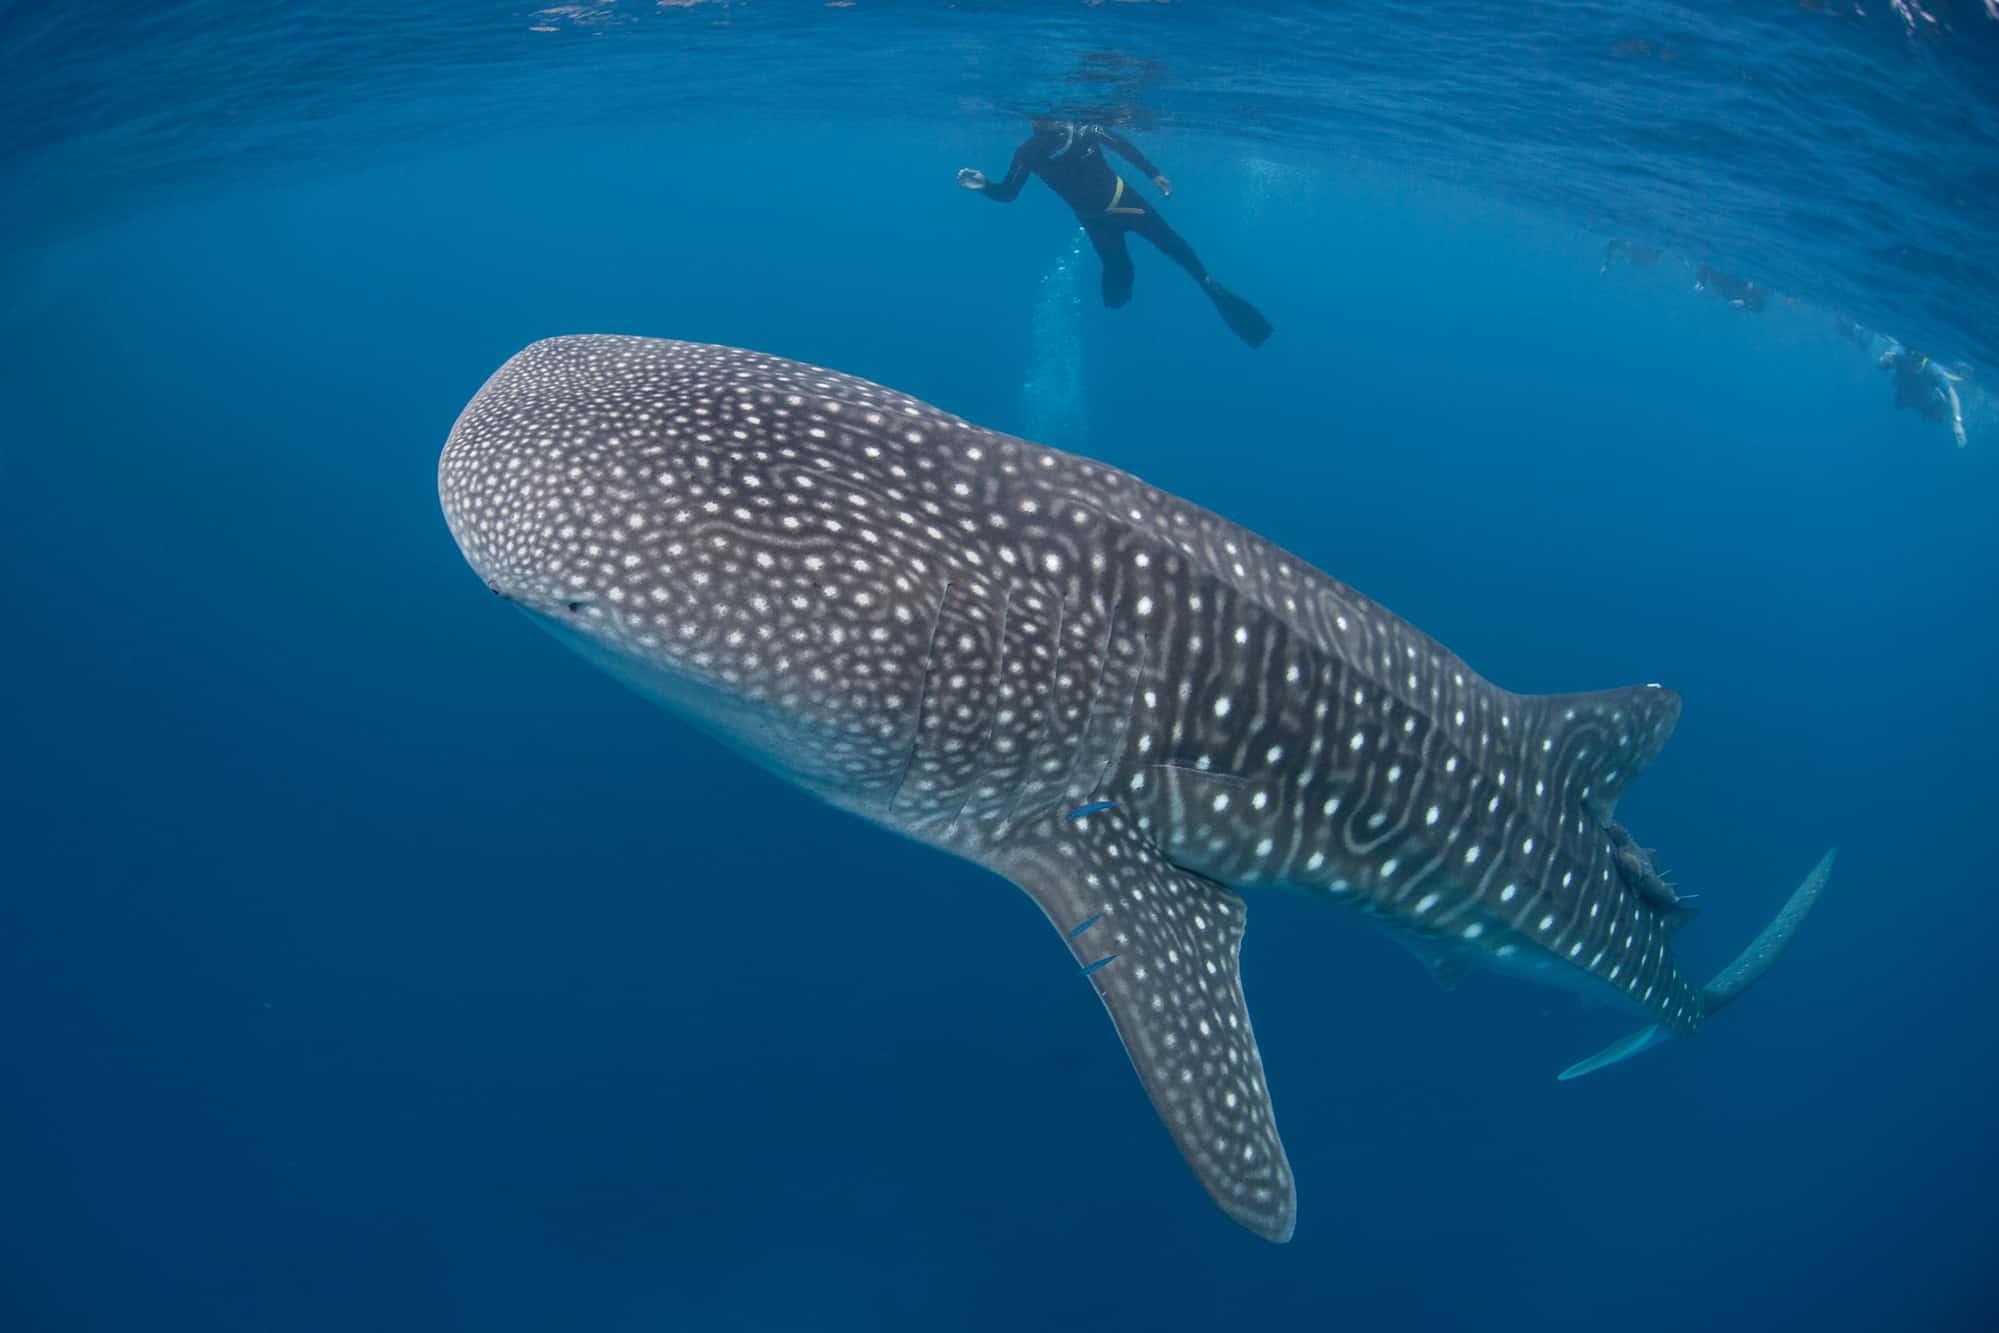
[{"x": 370, "y": 962}]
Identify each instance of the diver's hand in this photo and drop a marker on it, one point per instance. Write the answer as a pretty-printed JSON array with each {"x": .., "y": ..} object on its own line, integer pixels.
[
  {"x": 1164, "y": 186},
  {"x": 972, "y": 178}
]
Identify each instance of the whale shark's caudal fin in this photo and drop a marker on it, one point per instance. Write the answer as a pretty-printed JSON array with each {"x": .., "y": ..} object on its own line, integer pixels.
[
  {"x": 1622, "y": 1049},
  {"x": 1731, "y": 981},
  {"x": 1755, "y": 960}
]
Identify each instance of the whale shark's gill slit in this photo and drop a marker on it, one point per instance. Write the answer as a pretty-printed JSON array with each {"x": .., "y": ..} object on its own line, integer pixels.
[
  {"x": 1085, "y": 926},
  {"x": 992, "y": 725},
  {"x": 1096, "y": 694},
  {"x": 1047, "y": 714},
  {"x": 922, "y": 693},
  {"x": 1130, "y": 707},
  {"x": 1100, "y": 963},
  {"x": 1092, "y": 808}
]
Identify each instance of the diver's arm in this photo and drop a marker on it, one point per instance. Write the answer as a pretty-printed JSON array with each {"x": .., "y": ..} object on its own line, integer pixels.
[
  {"x": 1004, "y": 191},
  {"x": 1129, "y": 150}
]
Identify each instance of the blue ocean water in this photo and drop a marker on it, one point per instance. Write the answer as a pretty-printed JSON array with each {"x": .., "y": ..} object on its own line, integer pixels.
[{"x": 372, "y": 962}]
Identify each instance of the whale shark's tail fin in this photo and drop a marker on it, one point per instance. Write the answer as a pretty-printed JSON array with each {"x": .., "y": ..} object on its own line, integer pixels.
[
  {"x": 1644, "y": 1039},
  {"x": 1731, "y": 981},
  {"x": 1755, "y": 960}
]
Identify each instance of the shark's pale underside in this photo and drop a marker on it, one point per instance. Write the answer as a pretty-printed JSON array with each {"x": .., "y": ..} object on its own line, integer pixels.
[{"x": 1131, "y": 708}]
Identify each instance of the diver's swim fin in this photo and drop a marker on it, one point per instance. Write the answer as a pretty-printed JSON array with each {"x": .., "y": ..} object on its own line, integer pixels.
[{"x": 1240, "y": 315}]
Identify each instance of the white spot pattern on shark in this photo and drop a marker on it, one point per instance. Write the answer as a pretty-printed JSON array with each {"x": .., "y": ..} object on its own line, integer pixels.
[{"x": 1127, "y": 705}]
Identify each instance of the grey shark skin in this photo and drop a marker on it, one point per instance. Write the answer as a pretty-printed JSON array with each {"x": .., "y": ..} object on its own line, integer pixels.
[{"x": 1128, "y": 706}]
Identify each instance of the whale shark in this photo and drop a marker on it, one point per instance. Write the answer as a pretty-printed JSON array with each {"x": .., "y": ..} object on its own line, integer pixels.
[{"x": 1131, "y": 708}]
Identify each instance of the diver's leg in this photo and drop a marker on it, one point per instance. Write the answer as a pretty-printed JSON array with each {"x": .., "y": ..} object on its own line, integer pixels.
[
  {"x": 1243, "y": 319},
  {"x": 1108, "y": 238},
  {"x": 1174, "y": 246}
]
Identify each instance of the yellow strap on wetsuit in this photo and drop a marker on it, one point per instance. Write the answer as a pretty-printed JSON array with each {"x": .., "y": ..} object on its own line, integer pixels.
[
  {"x": 1117, "y": 196},
  {"x": 1923, "y": 364}
]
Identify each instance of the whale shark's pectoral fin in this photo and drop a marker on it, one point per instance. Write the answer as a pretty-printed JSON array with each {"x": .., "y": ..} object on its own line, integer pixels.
[{"x": 1160, "y": 946}]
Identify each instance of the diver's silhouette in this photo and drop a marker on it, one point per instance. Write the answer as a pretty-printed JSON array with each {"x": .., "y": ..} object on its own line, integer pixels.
[
  {"x": 1926, "y": 388},
  {"x": 1629, "y": 251},
  {"x": 1738, "y": 292},
  {"x": 1921, "y": 385},
  {"x": 1068, "y": 155}
]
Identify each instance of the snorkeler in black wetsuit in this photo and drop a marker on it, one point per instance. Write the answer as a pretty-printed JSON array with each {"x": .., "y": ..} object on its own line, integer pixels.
[
  {"x": 1069, "y": 157},
  {"x": 1630, "y": 251},
  {"x": 1926, "y": 388},
  {"x": 1738, "y": 292},
  {"x": 1921, "y": 385}
]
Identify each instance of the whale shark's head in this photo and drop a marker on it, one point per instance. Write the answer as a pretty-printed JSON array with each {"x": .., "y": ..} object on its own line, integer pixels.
[{"x": 724, "y": 531}]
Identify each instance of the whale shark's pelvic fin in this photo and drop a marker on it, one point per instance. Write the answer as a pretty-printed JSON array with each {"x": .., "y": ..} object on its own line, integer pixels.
[
  {"x": 1446, "y": 966},
  {"x": 1731, "y": 981},
  {"x": 1160, "y": 945}
]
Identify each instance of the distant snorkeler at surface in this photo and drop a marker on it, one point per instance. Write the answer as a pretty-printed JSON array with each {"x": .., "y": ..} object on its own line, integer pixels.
[
  {"x": 1738, "y": 292},
  {"x": 1068, "y": 156},
  {"x": 1630, "y": 251},
  {"x": 1921, "y": 385},
  {"x": 1926, "y": 387},
  {"x": 1859, "y": 334}
]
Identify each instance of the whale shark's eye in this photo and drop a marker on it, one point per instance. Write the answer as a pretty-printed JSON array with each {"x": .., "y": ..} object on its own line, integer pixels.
[{"x": 576, "y": 606}]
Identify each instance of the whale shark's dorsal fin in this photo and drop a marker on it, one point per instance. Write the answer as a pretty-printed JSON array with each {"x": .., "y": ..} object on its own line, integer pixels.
[
  {"x": 1599, "y": 742},
  {"x": 1160, "y": 945}
]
